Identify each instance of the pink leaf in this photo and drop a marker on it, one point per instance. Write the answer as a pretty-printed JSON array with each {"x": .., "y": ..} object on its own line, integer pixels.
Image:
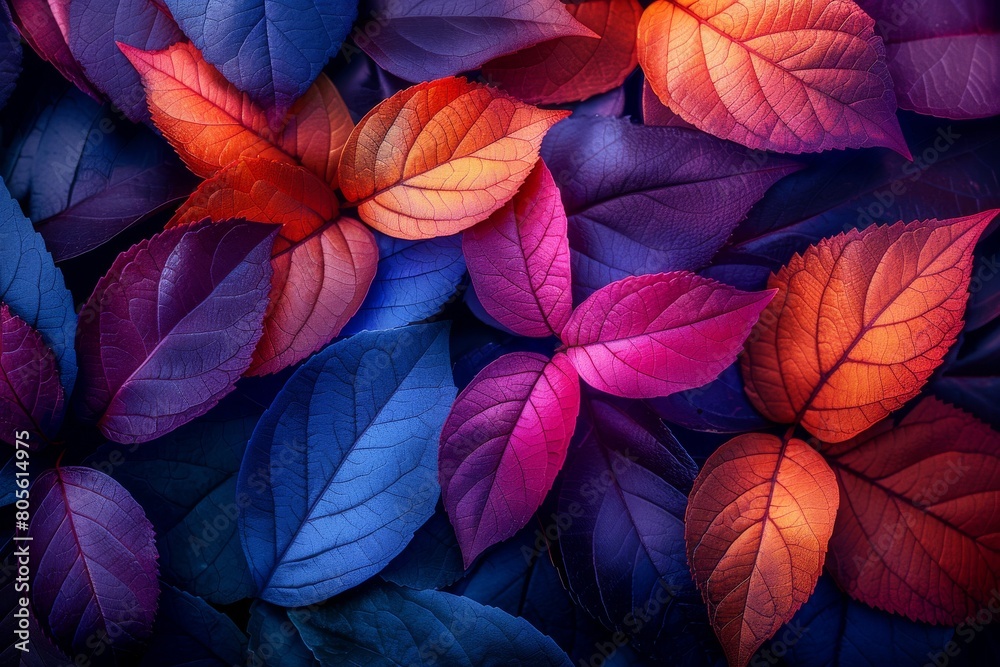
[
  {"x": 503, "y": 444},
  {"x": 518, "y": 259},
  {"x": 658, "y": 334}
]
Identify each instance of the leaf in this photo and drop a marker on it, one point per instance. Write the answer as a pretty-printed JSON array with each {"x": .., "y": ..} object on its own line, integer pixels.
[
  {"x": 831, "y": 630},
  {"x": 721, "y": 406},
  {"x": 572, "y": 68},
  {"x": 10, "y": 57},
  {"x": 210, "y": 123},
  {"x": 650, "y": 200},
  {"x": 518, "y": 259},
  {"x": 271, "y": 50},
  {"x": 190, "y": 632},
  {"x": 94, "y": 570},
  {"x": 414, "y": 280},
  {"x": 362, "y": 83},
  {"x": 944, "y": 56},
  {"x": 863, "y": 318},
  {"x": 274, "y": 640},
  {"x": 956, "y": 173},
  {"x": 441, "y": 156},
  {"x": 93, "y": 27},
  {"x": 33, "y": 289},
  {"x": 386, "y": 625},
  {"x": 788, "y": 76},
  {"x": 84, "y": 175},
  {"x": 30, "y": 393},
  {"x": 39, "y": 26},
  {"x": 503, "y": 445},
  {"x": 171, "y": 327},
  {"x": 187, "y": 482},
  {"x": 658, "y": 334},
  {"x": 758, "y": 522},
  {"x": 347, "y": 453},
  {"x": 41, "y": 652},
  {"x": 420, "y": 40},
  {"x": 916, "y": 533},
  {"x": 432, "y": 559},
  {"x": 621, "y": 500},
  {"x": 322, "y": 265}
]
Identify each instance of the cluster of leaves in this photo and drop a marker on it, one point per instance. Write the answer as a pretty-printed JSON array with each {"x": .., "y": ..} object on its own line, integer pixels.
[{"x": 364, "y": 362}]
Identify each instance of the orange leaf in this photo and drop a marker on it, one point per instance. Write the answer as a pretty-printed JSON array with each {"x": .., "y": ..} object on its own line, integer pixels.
[
  {"x": 917, "y": 533},
  {"x": 211, "y": 124},
  {"x": 785, "y": 75},
  {"x": 323, "y": 265},
  {"x": 757, "y": 525},
  {"x": 568, "y": 69},
  {"x": 441, "y": 156},
  {"x": 860, "y": 322}
]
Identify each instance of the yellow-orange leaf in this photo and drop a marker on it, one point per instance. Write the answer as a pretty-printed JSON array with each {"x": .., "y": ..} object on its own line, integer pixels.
[
  {"x": 441, "y": 156},
  {"x": 860, "y": 322},
  {"x": 210, "y": 123},
  {"x": 758, "y": 521}
]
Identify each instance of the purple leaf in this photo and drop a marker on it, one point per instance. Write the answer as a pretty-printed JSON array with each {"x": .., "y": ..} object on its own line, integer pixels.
[
  {"x": 650, "y": 199},
  {"x": 503, "y": 444},
  {"x": 943, "y": 55},
  {"x": 172, "y": 326},
  {"x": 420, "y": 40},
  {"x": 85, "y": 176},
  {"x": 94, "y": 26},
  {"x": 658, "y": 334},
  {"x": 518, "y": 260},
  {"x": 273, "y": 50},
  {"x": 94, "y": 565},
  {"x": 43, "y": 32},
  {"x": 31, "y": 397}
]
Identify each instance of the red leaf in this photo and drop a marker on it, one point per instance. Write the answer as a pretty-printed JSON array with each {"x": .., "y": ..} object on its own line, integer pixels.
[
  {"x": 658, "y": 334},
  {"x": 758, "y": 522},
  {"x": 519, "y": 259},
  {"x": 918, "y": 530},
  {"x": 503, "y": 444}
]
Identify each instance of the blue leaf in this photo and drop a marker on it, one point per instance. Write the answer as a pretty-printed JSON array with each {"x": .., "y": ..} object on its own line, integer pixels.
[
  {"x": 189, "y": 633},
  {"x": 432, "y": 559},
  {"x": 413, "y": 282},
  {"x": 10, "y": 54},
  {"x": 832, "y": 630},
  {"x": 274, "y": 640},
  {"x": 33, "y": 288},
  {"x": 342, "y": 468},
  {"x": 622, "y": 500},
  {"x": 186, "y": 482},
  {"x": 83, "y": 174},
  {"x": 271, "y": 49},
  {"x": 385, "y": 626}
]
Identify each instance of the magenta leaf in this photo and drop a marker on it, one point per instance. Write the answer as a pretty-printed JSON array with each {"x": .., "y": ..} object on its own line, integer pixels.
[
  {"x": 518, "y": 259},
  {"x": 31, "y": 397},
  {"x": 93, "y": 566},
  {"x": 172, "y": 326},
  {"x": 503, "y": 444},
  {"x": 658, "y": 334}
]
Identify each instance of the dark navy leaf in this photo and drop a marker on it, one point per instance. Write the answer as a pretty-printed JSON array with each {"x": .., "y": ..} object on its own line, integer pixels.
[
  {"x": 274, "y": 639},
  {"x": 432, "y": 559},
  {"x": 10, "y": 54},
  {"x": 414, "y": 280},
  {"x": 832, "y": 630},
  {"x": 271, "y": 49},
  {"x": 342, "y": 468},
  {"x": 362, "y": 83},
  {"x": 386, "y": 625},
  {"x": 624, "y": 490},
  {"x": 186, "y": 480},
  {"x": 83, "y": 175},
  {"x": 33, "y": 288},
  {"x": 190, "y": 633},
  {"x": 721, "y": 406},
  {"x": 650, "y": 199}
]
